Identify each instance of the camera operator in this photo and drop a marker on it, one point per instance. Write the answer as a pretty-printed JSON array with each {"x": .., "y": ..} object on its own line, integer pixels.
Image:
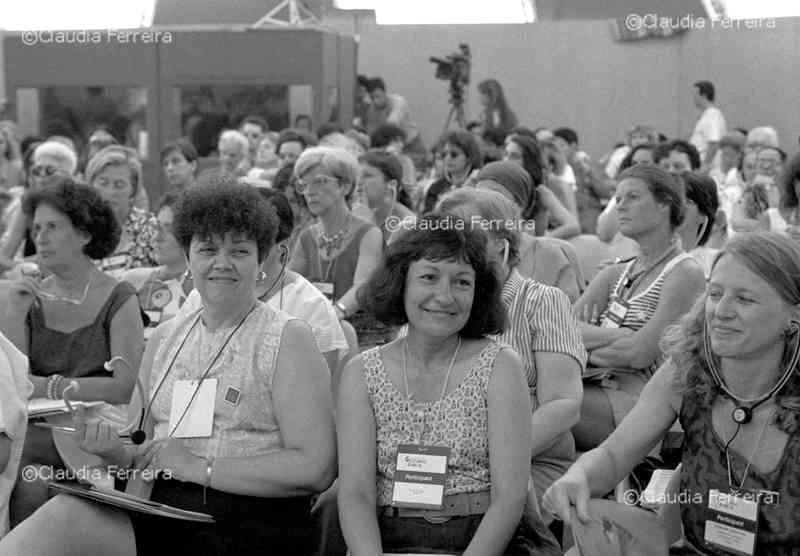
[{"x": 393, "y": 109}]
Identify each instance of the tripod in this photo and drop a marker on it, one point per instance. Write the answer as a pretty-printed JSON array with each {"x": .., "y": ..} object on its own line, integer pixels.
[
  {"x": 298, "y": 15},
  {"x": 456, "y": 114}
]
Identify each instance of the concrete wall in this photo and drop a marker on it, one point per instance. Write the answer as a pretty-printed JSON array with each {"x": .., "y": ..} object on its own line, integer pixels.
[{"x": 574, "y": 73}]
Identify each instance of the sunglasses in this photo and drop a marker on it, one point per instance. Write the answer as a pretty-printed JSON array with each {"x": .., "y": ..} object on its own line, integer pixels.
[
  {"x": 452, "y": 154},
  {"x": 43, "y": 171}
]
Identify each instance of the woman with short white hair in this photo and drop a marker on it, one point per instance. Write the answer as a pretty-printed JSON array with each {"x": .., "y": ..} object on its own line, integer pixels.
[
  {"x": 340, "y": 251},
  {"x": 116, "y": 172},
  {"x": 52, "y": 161}
]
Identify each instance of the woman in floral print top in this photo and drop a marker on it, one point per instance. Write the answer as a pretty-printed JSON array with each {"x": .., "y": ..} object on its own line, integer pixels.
[{"x": 116, "y": 172}]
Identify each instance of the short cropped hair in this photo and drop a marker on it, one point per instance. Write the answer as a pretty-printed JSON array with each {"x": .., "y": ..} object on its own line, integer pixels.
[
  {"x": 222, "y": 208},
  {"x": 86, "y": 209},
  {"x": 681, "y": 146},
  {"x": 236, "y": 136},
  {"x": 289, "y": 136},
  {"x": 115, "y": 155},
  {"x": 387, "y": 163},
  {"x": 335, "y": 162},
  {"x": 662, "y": 186},
  {"x": 60, "y": 152},
  {"x": 182, "y": 146},
  {"x": 255, "y": 120},
  {"x": 702, "y": 191},
  {"x": 567, "y": 134},
  {"x": 436, "y": 237},
  {"x": 706, "y": 89},
  {"x": 376, "y": 83},
  {"x": 385, "y": 134}
]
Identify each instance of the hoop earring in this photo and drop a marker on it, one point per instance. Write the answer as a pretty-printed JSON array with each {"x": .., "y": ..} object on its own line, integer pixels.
[
  {"x": 506, "y": 248},
  {"x": 188, "y": 275},
  {"x": 284, "y": 256}
]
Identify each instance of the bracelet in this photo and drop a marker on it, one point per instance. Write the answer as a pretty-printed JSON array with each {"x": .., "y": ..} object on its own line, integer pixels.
[
  {"x": 53, "y": 384},
  {"x": 339, "y": 305},
  {"x": 209, "y": 472}
]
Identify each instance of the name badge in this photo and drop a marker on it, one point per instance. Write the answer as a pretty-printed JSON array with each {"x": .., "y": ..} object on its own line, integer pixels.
[
  {"x": 732, "y": 522},
  {"x": 419, "y": 477},
  {"x": 326, "y": 288},
  {"x": 154, "y": 316},
  {"x": 115, "y": 262},
  {"x": 615, "y": 314},
  {"x": 195, "y": 420}
]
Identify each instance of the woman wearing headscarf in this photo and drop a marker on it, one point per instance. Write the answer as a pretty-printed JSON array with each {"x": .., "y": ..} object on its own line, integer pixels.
[{"x": 544, "y": 260}]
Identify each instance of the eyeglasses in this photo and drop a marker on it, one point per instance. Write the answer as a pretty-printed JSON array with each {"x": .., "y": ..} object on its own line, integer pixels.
[
  {"x": 452, "y": 154},
  {"x": 43, "y": 171},
  {"x": 302, "y": 185}
]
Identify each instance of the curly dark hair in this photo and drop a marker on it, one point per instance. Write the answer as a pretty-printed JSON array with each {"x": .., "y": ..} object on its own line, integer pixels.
[
  {"x": 283, "y": 210},
  {"x": 222, "y": 208},
  {"x": 436, "y": 237},
  {"x": 86, "y": 209}
]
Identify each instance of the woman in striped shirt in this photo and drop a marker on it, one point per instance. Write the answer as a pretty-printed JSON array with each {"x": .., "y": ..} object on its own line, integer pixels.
[
  {"x": 540, "y": 328},
  {"x": 627, "y": 306}
]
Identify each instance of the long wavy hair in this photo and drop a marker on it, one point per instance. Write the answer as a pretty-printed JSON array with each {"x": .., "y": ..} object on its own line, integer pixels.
[
  {"x": 774, "y": 258},
  {"x": 497, "y": 101}
]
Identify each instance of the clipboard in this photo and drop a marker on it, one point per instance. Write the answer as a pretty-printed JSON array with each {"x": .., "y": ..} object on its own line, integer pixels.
[
  {"x": 127, "y": 501},
  {"x": 42, "y": 407}
]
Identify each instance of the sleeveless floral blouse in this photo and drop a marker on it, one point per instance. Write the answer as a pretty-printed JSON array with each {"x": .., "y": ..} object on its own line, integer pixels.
[
  {"x": 458, "y": 421},
  {"x": 705, "y": 467}
]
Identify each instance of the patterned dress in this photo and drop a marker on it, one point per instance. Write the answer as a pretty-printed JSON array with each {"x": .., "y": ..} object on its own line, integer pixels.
[
  {"x": 141, "y": 229},
  {"x": 459, "y": 421}
]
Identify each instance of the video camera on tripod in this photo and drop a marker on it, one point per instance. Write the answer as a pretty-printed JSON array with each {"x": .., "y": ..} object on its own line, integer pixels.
[{"x": 456, "y": 68}]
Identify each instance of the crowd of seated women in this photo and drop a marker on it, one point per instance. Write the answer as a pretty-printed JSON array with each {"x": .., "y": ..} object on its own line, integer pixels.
[{"x": 331, "y": 356}]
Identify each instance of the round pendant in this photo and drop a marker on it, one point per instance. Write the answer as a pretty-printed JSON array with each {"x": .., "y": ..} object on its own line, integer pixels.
[{"x": 742, "y": 415}]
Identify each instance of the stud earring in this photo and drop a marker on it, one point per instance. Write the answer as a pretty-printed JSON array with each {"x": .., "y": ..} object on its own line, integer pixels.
[
  {"x": 188, "y": 275},
  {"x": 261, "y": 276}
]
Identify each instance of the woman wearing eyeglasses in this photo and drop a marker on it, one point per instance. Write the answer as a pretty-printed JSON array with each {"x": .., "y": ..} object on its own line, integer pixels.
[
  {"x": 74, "y": 320},
  {"x": 340, "y": 251},
  {"x": 116, "y": 172},
  {"x": 50, "y": 162}
]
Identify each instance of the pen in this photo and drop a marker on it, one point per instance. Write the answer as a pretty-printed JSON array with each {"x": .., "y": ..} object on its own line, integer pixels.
[{"x": 125, "y": 437}]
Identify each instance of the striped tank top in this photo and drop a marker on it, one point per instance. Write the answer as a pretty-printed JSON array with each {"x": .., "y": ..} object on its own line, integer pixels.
[{"x": 643, "y": 305}]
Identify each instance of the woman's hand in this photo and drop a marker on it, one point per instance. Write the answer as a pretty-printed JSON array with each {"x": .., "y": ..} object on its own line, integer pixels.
[
  {"x": 571, "y": 490},
  {"x": 22, "y": 293},
  {"x": 171, "y": 457},
  {"x": 100, "y": 437}
]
